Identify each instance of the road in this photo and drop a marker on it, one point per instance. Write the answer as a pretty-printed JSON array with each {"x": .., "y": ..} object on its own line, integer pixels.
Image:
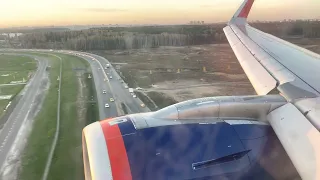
[
  {"x": 120, "y": 92},
  {"x": 21, "y": 112},
  {"x": 115, "y": 89}
]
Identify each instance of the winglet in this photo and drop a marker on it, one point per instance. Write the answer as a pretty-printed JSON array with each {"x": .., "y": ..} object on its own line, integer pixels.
[{"x": 242, "y": 13}]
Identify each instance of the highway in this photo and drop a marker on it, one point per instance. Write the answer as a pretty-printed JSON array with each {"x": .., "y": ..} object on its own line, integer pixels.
[
  {"x": 120, "y": 92},
  {"x": 101, "y": 84},
  {"x": 114, "y": 89},
  {"x": 22, "y": 111}
]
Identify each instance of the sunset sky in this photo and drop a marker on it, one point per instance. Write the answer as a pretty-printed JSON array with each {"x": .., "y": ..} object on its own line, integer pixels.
[{"x": 71, "y": 12}]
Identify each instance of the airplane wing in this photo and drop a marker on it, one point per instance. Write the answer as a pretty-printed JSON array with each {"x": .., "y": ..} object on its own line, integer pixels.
[{"x": 274, "y": 65}]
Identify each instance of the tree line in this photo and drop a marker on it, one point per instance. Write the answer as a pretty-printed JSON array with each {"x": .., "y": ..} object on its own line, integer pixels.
[
  {"x": 124, "y": 38},
  {"x": 110, "y": 38}
]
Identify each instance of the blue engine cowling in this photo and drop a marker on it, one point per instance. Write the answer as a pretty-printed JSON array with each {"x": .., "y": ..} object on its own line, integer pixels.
[{"x": 221, "y": 150}]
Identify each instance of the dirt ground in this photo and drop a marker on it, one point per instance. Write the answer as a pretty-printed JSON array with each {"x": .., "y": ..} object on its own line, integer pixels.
[{"x": 184, "y": 73}]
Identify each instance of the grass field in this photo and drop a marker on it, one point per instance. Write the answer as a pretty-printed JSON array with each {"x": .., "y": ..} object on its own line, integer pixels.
[
  {"x": 11, "y": 90},
  {"x": 75, "y": 110},
  {"x": 3, "y": 104},
  {"x": 92, "y": 110},
  {"x": 14, "y": 68}
]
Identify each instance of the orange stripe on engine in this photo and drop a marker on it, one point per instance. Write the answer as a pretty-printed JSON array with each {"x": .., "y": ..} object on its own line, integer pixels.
[{"x": 117, "y": 152}]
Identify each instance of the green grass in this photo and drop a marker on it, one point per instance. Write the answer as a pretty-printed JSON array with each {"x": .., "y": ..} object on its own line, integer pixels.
[
  {"x": 11, "y": 90},
  {"x": 92, "y": 106},
  {"x": 16, "y": 63},
  {"x": 14, "y": 68},
  {"x": 3, "y": 104},
  {"x": 8, "y": 90},
  {"x": 17, "y": 67},
  {"x": 67, "y": 159}
]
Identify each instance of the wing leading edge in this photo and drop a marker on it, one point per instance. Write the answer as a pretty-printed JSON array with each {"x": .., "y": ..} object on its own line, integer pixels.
[{"x": 273, "y": 64}]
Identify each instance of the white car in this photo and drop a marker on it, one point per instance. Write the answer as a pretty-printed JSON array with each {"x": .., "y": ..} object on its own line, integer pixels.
[
  {"x": 106, "y": 105},
  {"x": 138, "y": 88},
  {"x": 126, "y": 86},
  {"x": 134, "y": 95},
  {"x": 104, "y": 92},
  {"x": 110, "y": 77}
]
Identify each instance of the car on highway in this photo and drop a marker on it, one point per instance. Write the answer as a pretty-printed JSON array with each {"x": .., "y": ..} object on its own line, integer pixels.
[
  {"x": 126, "y": 87},
  {"x": 138, "y": 88},
  {"x": 106, "y": 105},
  {"x": 142, "y": 105},
  {"x": 111, "y": 100},
  {"x": 105, "y": 68},
  {"x": 110, "y": 77},
  {"x": 104, "y": 92},
  {"x": 134, "y": 95}
]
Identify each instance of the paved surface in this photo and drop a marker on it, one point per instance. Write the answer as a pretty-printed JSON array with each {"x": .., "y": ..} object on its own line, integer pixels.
[
  {"x": 20, "y": 113},
  {"x": 115, "y": 89}
]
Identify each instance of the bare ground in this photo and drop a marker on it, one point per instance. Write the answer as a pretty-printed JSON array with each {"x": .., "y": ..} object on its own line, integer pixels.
[{"x": 183, "y": 72}]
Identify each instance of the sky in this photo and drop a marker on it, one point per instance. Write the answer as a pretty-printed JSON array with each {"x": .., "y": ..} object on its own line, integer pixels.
[{"x": 84, "y": 12}]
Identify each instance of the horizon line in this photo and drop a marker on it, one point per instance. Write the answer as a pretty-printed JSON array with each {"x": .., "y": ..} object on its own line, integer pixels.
[{"x": 150, "y": 24}]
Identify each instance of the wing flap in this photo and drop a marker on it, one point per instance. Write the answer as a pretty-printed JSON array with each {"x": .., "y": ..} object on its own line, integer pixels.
[
  {"x": 293, "y": 70},
  {"x": 278, "y": 71},
  {"x": 261, "y": 80},
  {"x": 264, "y": 67}
]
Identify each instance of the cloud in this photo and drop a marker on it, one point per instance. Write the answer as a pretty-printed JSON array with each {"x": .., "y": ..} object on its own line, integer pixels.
[{"x": 102, "y": 10}]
